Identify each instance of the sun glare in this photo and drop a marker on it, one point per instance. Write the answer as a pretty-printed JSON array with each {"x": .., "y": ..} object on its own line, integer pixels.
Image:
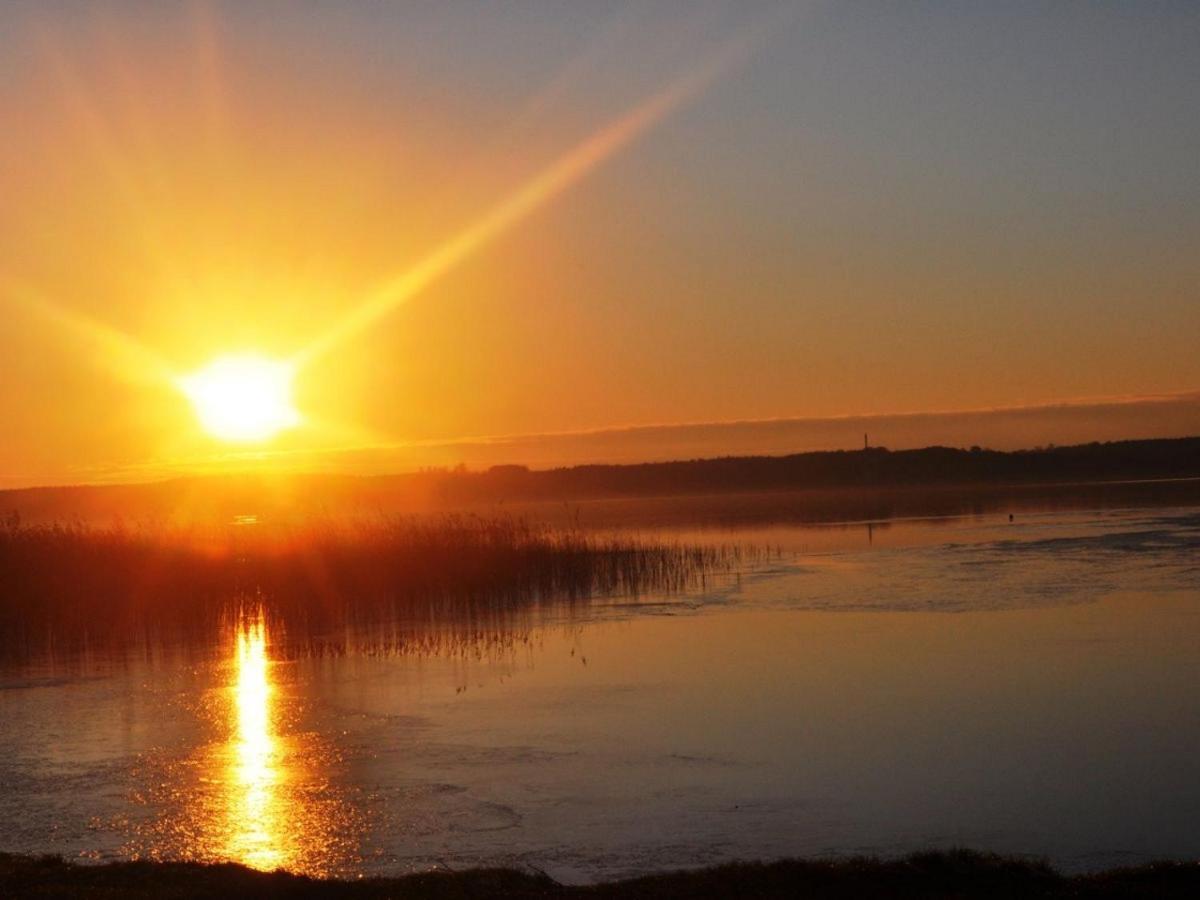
[{"x": 243, "y": 398}]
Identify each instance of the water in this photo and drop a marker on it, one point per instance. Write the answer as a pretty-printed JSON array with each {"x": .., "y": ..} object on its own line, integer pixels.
[{"x": 1024, "y": 687}]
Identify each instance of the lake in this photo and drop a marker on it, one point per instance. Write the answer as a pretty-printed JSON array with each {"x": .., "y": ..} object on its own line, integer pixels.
[{"x": 1025, "y": 687}]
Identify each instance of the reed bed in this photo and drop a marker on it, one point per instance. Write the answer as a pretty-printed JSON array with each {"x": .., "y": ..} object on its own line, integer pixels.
[{"x": 77, "y": 583}]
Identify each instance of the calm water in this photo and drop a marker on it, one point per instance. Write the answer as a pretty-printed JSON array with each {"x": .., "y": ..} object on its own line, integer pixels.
[{"x": 1026, "y": 687}]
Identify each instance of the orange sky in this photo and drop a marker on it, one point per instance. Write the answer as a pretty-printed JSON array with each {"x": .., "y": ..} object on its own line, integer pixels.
[{"x": 685, "y": 213}]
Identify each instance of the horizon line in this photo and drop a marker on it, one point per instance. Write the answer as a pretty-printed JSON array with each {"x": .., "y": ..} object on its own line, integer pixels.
[
  {"x": 446, "y": 469},
  {"x": 317, "y": 459}
]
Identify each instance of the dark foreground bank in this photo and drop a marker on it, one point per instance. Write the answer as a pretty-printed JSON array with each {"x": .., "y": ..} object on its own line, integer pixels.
[{"x": 958, "y": 874}]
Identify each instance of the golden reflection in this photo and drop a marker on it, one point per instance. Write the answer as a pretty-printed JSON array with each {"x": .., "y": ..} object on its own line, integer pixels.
[
  {"x": 255, "y": 820},
  {"x": 260, "y": 793}
]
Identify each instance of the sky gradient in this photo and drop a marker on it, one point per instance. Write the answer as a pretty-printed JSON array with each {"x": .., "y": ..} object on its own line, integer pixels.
[{"x": 818, "y": 212}]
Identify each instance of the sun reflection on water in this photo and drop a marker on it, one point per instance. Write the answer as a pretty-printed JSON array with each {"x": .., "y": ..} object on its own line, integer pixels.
[
  {"x": 261, "y": 783},
  {"x": 254, "y": 817}
]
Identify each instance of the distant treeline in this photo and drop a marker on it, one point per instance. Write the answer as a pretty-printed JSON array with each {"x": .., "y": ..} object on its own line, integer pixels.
[
  {"x": 871, "y": 467},
  {"x": 870, "y": 473}
]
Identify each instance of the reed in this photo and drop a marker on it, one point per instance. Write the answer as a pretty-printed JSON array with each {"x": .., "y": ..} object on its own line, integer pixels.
[{"x": 69, "y": 582}]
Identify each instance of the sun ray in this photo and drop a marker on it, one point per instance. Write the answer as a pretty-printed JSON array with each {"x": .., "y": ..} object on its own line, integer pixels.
[
  {"x": 129, "y": 110},
  {"x": 209, "y": 74},
  {"x": 567, "y": 170},
  {"x": 82, "y": 111},
  {"x": 585, "y": 60},
  {"x": 119, "y": 353}
]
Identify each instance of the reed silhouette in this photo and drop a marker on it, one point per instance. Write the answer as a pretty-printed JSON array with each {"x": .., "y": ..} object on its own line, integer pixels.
[{"x": 65, "y": 586}]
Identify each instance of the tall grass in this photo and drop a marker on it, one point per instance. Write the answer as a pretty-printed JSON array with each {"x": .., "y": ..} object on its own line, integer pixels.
[{"x": 71, "y": 583}]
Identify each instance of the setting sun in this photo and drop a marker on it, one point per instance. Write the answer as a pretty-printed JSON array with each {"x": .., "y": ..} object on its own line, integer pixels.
[{"x": 243, "y": 398}]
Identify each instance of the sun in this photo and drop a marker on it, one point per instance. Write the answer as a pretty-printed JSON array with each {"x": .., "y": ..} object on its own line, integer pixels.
[{"x": 243, "y": 398}]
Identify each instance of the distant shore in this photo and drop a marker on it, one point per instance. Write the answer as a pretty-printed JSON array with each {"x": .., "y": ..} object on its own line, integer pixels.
[
  {"x": 844, "y": 485},
  {"x": 953, "y": 874}
]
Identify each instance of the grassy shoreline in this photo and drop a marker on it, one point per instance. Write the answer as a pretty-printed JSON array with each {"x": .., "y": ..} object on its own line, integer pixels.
[{"x": 952, "y": 874}]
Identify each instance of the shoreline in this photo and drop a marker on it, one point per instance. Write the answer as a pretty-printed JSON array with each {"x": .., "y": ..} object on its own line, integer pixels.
[{"x": 947, "y": 874}]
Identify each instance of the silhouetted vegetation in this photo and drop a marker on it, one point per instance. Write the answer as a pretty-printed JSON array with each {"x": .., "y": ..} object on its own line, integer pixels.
[
  {"x": 959, "y": 874},
  {"x": 872, "y": 467},
  {"x": 76, "y": 584},
  {"x": 839, "y": 485}
]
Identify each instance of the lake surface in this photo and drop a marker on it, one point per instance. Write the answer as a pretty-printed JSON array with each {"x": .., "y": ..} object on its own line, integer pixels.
[{"x": 1024, "y": 687}]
